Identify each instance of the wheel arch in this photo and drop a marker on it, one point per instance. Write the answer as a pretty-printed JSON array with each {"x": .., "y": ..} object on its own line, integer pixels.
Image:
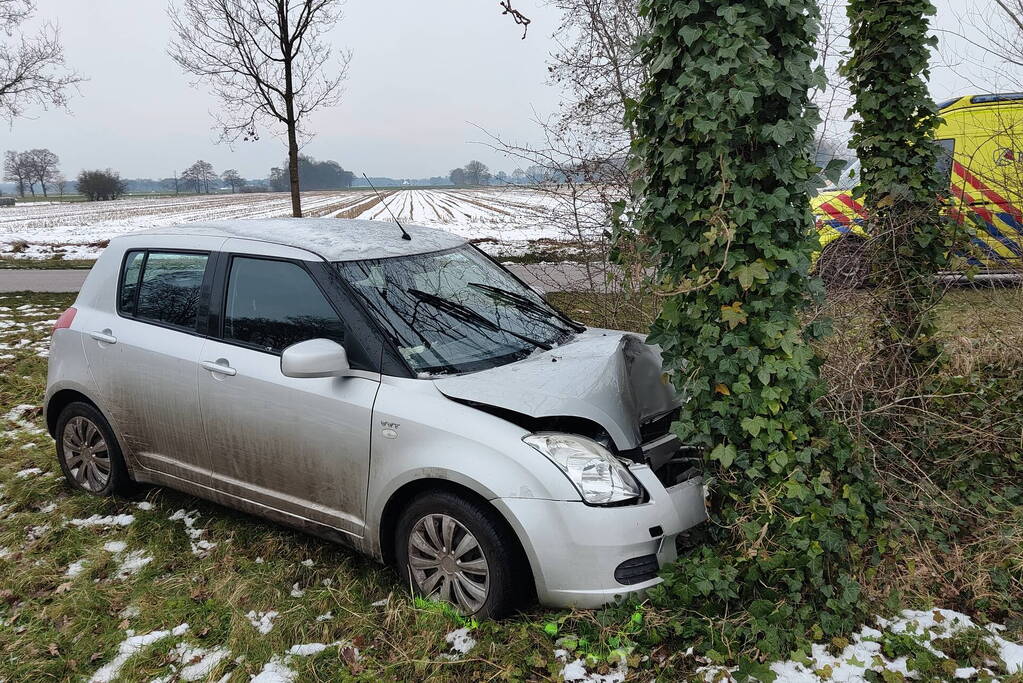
[
  {"x": 61, "y": 400},
  {"x": 408, "y": 492}
]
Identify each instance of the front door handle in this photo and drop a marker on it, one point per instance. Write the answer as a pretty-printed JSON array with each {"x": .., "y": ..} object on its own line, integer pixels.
[
  {"x": 105, "y": 336},
  {"x": 218, "y": 367}
]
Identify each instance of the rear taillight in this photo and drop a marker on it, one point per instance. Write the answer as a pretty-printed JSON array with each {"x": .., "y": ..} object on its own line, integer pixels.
[{"x": 65, "y": 319}]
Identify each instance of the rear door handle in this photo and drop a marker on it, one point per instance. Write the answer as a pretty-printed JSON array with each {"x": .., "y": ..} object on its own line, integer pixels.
[
  {"x": 221, "y": 368},
  {"x": 104, "y": 337}
]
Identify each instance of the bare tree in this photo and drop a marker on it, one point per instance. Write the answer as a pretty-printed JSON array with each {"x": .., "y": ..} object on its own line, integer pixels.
[
  {"x": 61, "y": 183},
  {"x": 267, "y": 61},
  {"x": 199, "y": 175},
  {"x": 476, "y": 173},
  {"x": 233, "y": 178},
  {"x": 32, "y": 69},
  {"x": 43, "y": 166},
  {"x": 15, "y": 170}
]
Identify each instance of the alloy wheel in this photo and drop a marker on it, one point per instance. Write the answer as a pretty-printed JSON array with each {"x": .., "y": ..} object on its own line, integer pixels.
[
  {"x": 86, "y": 454},
  {"x": 447, "y": 562}
]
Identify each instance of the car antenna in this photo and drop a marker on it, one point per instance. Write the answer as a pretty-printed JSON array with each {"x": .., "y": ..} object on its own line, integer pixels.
[{"x": 404, "y": 235}]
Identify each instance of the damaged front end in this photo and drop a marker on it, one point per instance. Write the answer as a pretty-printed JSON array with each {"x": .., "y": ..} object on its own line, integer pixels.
[{"x": 605, "y": 385}]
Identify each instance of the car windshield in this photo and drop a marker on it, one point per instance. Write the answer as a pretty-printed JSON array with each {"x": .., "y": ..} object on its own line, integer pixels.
[{"x": 455, "y": 311}]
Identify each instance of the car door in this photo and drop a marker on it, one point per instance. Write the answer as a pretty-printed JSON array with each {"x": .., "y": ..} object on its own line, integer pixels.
[
  {"x": 143, "y": 353},
  {"x": 297, "y": 445}
]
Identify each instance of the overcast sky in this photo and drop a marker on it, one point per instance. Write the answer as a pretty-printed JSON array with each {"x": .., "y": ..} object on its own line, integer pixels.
[{"x": 423, "y": 75}]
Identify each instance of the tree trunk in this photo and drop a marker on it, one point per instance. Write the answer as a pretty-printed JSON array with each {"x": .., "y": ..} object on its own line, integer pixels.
[
  {"x": 296, "y": 197},
  {"x": 289, "y": 103}
]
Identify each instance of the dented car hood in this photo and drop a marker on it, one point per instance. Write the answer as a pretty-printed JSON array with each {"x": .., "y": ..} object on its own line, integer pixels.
[{"x": 609, "y": 377}]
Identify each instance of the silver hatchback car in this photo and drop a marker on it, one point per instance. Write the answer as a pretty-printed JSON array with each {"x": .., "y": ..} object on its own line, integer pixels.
[{"x": 410, "y": 398}]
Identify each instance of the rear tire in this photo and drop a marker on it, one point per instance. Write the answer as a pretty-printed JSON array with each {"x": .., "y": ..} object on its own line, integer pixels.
[
  {"x": 844, "y": 265},
  {"x": 88, "y": 452},
  {"x": 457, "y": 550}
]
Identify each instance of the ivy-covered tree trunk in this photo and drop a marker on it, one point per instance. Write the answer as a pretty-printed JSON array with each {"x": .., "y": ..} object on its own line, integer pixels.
[
  {"x": 724, "y": 131},
  {"x": 900, "y": 179}
]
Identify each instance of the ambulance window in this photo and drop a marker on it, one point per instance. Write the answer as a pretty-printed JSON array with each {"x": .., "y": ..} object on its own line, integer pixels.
[{"x": 945, "y": 153}]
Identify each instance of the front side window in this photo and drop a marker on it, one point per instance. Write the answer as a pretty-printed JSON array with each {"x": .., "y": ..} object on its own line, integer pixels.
[
  {"x": 163, "y": 287},
  {"x": 273, "y": 304},
  {"x": 455, "y": 311}
]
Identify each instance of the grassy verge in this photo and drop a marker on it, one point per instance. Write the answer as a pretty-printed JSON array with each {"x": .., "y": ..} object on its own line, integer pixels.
[
  {"x": 8, "y": 263},
  {"x": 74, "y": 596}
]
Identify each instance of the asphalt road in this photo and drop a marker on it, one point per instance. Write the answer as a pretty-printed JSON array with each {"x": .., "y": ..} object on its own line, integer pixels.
[{"x": 564, "y": 277}]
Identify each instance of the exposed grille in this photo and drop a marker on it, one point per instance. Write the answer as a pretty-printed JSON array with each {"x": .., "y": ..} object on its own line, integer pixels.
[
  {"x": 658, "y": 427},
  {"x": 637, "y": 570}
]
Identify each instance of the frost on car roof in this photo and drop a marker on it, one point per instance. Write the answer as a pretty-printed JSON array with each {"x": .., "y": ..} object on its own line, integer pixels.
[{"x": 336, "y": 239}]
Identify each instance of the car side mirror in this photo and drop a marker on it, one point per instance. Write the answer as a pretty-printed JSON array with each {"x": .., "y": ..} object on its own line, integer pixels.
[{"x": 315, "y": 358}]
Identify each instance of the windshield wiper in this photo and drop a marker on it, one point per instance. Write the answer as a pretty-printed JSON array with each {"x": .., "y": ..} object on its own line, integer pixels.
[
  {"x": 523, "y": 302},
  {"x": 460, "y": 311}
]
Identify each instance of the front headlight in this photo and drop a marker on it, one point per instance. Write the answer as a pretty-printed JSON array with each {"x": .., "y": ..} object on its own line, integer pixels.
[{"x": 595, "y": 471}]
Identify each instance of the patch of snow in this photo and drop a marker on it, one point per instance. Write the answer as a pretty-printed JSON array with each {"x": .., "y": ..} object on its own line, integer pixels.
[
  {"x": 262, "y": 621},
  {"x": 307, "y": 563},
  {"x": 144, "y": 505},
  {"x": 193, "y": 663},
  {"x": 128, "y": 648},
  {"x": 37, "y": 532},
  {"x": 200, "y": 546},
  {"x": 323, "y": 617},
  {"x": 309, "y": 649},
  {"x": 47, "y": 509},
  {"x": 29, "y": 472},
  {"x": 259, "y": 560},
  {"x": 130, "y": 612},
  {"x": 460, "y": 641},
  {"x": 380, "y": 603},
  {"x": 75, "y": 568},
  {"x": 17, "y": 414},
  {"x": 296, "y": 592},
  {"x": 109, "y": 520},
  {"x": 132, "y": 563},
  {"x": 575, "y": 670},
  {"x": 115, "y": 546},
  {"x": 275, "y": 671},
  {"x": 864, "y": 653}
]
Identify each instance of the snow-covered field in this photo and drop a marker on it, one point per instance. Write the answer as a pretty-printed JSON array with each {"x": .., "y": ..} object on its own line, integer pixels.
[{"x": 506, "y": 220}]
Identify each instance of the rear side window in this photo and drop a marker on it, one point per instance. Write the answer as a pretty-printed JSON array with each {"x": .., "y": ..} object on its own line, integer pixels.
[
  {"x": 162, "y": 287},
  {"x": 130, "y": 282},
  {"x": 273, "y": 304}
]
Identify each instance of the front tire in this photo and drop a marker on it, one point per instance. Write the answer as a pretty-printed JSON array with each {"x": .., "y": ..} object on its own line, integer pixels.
[
  {"x": 459, "y": 551},
  {"x": 88, "y": 452}
]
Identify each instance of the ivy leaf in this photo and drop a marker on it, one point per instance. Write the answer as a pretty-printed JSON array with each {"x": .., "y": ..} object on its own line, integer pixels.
[
  {"x": 833, "y": 171},
  {"x": 753, "y": 425},
  {"x": 733, "y": 315},
  {"x": 690, "y": 34},
  {"x": 782, "y": 132},
  {"x": 724, "y": 454}
]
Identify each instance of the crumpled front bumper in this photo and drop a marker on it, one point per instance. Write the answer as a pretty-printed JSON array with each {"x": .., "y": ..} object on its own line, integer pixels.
[{"x": 574, "y": 548}]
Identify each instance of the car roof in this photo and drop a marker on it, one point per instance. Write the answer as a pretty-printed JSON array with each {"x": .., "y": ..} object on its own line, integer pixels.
[{"x": 335, "y": 239}]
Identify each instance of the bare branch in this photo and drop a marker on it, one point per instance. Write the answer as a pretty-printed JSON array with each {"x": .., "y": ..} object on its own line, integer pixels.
[
  {"x": 519, "y": 18},
  {"x": 32, "y": 69}
]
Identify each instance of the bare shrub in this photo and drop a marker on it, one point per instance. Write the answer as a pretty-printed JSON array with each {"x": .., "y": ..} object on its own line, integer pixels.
[{"x": 18, "y": 247}]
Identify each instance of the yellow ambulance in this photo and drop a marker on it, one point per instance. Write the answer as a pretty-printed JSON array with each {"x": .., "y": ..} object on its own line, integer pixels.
[{"x": 982, "y": 136}]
